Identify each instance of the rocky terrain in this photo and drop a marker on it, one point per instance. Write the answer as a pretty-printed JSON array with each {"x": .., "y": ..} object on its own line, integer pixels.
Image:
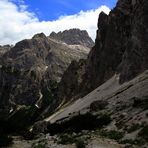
[
  {"x": 120, "y": 47},
  {"x": 73, "y": 37},
  {"x": 98, "y": 101},
  {"x": 116, "y": 69},
  {"x": 29, "y": 73},
  {"x": 4, "y": 49}
]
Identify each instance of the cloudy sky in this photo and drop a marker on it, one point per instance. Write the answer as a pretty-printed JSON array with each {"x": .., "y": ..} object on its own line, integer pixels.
[{"x": 20, "y": 19}]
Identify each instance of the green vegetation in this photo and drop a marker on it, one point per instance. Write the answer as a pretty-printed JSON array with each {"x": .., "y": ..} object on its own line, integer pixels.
[
  {"x": 104, "y": 119},
  {"x": 141, "y": 102},
  {"x": 70, "y": 139},
  {"x": 33, "y": 75},
  {"x": 67, "y": 139},
  {"x": 10, "y": 70},
  {"x": 5, "y": 141},
  {"x": 48, "y": 93},
  {"x": 80, "y": 122},
  {"x": 116, "y": 135},
  {"x": 133, "y": 128},
  {"x": 80, "y": 143},
  {"x": 120, "y": 124},
  {"x": 98, "y": 105},
  {"x": 144, "y": 133},
  {"x": 40, "y": 144},
  {"x": 138, "y": 142},
  {"x": 22, "y": 117}
]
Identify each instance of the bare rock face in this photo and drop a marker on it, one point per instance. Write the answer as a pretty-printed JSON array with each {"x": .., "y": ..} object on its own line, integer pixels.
[
  {"x": 74, "y": 37},
  {"x": 120, "y": 47},
  {"x": 30, "y": 70},
  {"x": 135, "y": 57},
  {"x": 73, "y": 75},
  {"x": 21, "y": 71},
  {"x": 4, "y": 49}
]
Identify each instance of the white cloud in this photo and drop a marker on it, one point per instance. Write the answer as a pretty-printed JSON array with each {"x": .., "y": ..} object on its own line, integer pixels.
[{"x": 16, "y": 23}]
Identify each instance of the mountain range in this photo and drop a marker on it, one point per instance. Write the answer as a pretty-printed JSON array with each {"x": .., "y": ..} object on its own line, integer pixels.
[{"x": 77, "y": 90}]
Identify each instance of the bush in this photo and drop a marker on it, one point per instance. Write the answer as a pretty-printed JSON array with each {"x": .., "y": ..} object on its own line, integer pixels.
[
  {"x": 144, "y": 133},
  {"x": 116, "y": 135},
  {"x": 80, "y": 143},
  {"x": 98, "y": 105},
  {"x": 40, "y": 144},
  {"x": 5, "y": 141},
  {"x": 141, "y": 102},
  {"x": 66, "y": 139},
  {"x": 133, "y": 128},
  {"x": 80, "y": 122},
  {"x": 138, "y": 142},
  {"x": 70, "y": 139},
  {"x": 104, "y": 119}
]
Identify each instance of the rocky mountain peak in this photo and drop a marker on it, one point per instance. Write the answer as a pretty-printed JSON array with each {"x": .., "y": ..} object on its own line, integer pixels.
[
  {"x": 39, "y": 35},
  {"x": 32, "y": 65},
  {"x": 74, "y": 37},
  {"x": 4, "y": 49},
  {"x": 110, "y": 84},
  {"x": 120, "y": 47}
]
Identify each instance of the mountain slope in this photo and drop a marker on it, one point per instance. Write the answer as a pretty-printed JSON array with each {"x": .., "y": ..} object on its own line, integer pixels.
[
  {"x": 120, "y": 47},
  {"x": 112, "y": 83},
  {"x": 29, "y": 73}
]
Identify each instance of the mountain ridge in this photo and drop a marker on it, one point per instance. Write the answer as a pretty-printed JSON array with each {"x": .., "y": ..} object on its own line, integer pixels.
[
  {"x": 74, "y": 37},
  {"x": 108, "y": 89},
  {"x": 29, "y": 68},
  {"x": 120, "y": 47}
]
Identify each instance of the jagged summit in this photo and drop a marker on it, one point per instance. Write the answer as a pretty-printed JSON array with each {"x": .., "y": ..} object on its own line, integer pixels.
[
  {"x": 108, "y": 89},
  {"x": 4, "y": 49},
  {"x": 39, "y": 35},
  {"x": 31, "y": 65},
  {"x": 74, "y": 37},
  {"x": 120, "y": 47}
]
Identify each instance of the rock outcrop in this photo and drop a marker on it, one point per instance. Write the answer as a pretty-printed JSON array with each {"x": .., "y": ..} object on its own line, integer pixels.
[
  {"x": 4, "y": 49},
  {"x": 120, "y": 47},
  {"x": 74, "y": 37},
  {"x": 30, "y": 71},
  {"x": 108, "y": 89}
]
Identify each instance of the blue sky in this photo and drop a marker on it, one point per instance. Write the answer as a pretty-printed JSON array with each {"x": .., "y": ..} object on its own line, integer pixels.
[
  {"x": 52, "y": 9},
  {"x": 21, "y": 19}
]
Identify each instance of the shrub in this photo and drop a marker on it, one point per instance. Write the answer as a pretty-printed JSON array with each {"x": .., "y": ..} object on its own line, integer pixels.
[
  {"x": 144, "y": 133},
  {"x": 66, "y": 139},
  {"x": 98, "y": 105},
  {"x": 40, "y": 144},
  {"x": 138, "y": 142},
  {"x": 80, "y": 143},
  {"x": 141, "y": 102},
  {"x": 116, "y": 135},
  {"x": 70, "y": 139},
  {"x": 104, "y": 119},
  {"x": 5, "y": 141},
  {"x": 133, "y": 128}
]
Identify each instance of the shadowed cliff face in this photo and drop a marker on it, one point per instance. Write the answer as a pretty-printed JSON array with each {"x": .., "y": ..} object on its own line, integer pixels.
[
  {"x": 135, "y": 57},
  {"x": 120, "y": 47}
]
